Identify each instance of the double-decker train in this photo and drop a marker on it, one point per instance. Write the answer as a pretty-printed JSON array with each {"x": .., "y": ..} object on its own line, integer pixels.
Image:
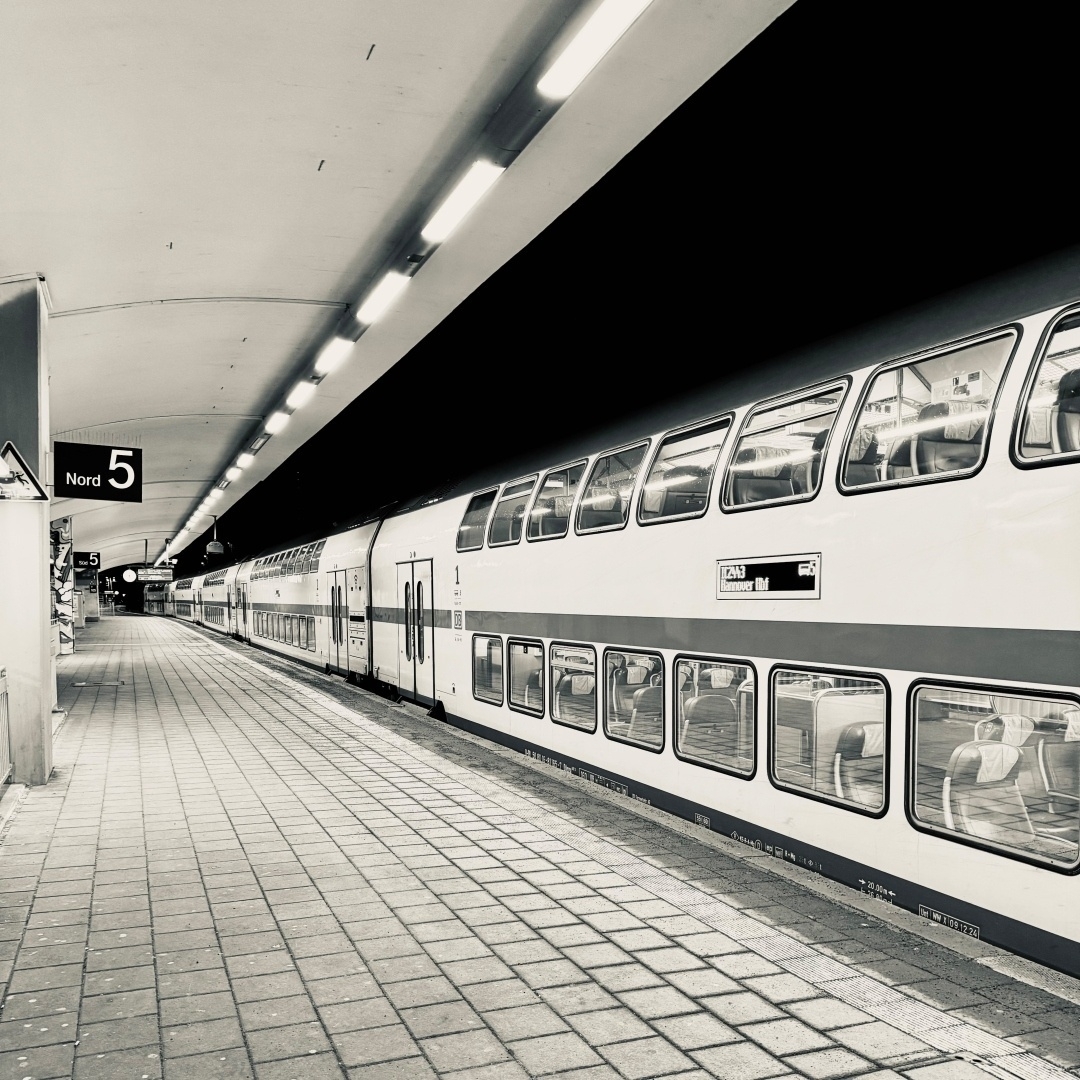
[{"x": 826, "y": 608}]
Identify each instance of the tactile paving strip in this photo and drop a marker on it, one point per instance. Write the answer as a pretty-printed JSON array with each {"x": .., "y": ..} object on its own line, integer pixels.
[{"x": 502, "y": 806}]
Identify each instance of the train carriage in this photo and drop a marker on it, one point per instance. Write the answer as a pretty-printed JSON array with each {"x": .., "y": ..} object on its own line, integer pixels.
[{"x": 830, "y": 612}]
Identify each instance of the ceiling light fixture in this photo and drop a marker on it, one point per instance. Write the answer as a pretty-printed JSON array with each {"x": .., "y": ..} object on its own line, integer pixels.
[
  {"x": 468, "y": 191},
  {"x": 233, "y": 473},
  {"x": 276, "y": 422},
  {"x": 332, "y": 355},
  {"x": 605, "y": 26},
  {"x": 244, "y": 460},
  {"x": 301, "y": 394},
  {"x": 382, "y": 297}
]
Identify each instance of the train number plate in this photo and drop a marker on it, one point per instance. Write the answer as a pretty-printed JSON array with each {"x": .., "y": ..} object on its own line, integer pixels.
[{"x": 775, "y": 577}]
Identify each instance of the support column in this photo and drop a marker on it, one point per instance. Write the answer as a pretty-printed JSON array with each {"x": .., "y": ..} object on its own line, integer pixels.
[{"x": 25, "y": 598}]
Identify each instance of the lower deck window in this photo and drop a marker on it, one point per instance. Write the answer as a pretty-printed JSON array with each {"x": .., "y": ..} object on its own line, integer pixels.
[
  {"x": 488, "y": 668},
  {"x": 828, "y": 736},
  {"x": 634, "y": 697},
  {"x": 999, "y": 769},
  {"x": 714, "y": 714},
  {"x": 573, "y": 685},
  {"x": 527, "y": 676}
]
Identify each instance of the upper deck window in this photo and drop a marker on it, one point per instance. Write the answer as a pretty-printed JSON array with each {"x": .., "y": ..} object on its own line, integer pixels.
[
  {"x": 550, "y": 515},
  {"x": 606, "y": 502},
  {"x": 1050, "y": 428},
  {"x": 506, "y": 522},
  {"x": 470, "y": 535},
  {"x": 927, "y": 419},
  {"x": 681, "y": 476},
  {"x": 779, "y": 454}
]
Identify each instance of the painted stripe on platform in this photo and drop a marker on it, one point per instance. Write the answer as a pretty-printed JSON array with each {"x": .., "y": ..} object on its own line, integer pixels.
[{"x": 930, "y": 1025}]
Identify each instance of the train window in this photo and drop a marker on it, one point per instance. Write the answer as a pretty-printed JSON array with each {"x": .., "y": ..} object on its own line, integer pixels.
[
  {"x": 289, "y": 630},
  {"x": 681, "y": 476},
  {"x": 828, "y": 737},
  {"x": 506, "y": 522},
  {"x": 1050, "y": 429},
  {"x": 634, "y": 698},
  {"x": 470, "y": 535},
  {"x": 714, "y": 714},
  {"x": 573, "y": 686},
  {"x": 780, "y": 450},
  {"x": 526, "y": 676},
  {"x": 1000, "y": 769},
  {"x": 488, "y": 668},
  {"x": 606, "y": 502},
  {"x": 305, "y": 558},
  {"x": 315, "y": 556},
  {"x": 311, "y": 633},
  {"x": 550, "y": 515},
  {"x": 301, "y": 640},
  {"x": 927, "y": 419}
]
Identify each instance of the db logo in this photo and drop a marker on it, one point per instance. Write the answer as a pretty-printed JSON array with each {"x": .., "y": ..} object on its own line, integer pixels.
[{"x": 458, "y": 620}]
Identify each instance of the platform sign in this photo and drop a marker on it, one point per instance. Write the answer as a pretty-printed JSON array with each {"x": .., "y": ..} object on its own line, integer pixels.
[
  {"x": 89, "y": 471},
  {"x": 775, "y": 577},
  {"x": 87, "y": 560},
  {"x": 154, "y": 573}
]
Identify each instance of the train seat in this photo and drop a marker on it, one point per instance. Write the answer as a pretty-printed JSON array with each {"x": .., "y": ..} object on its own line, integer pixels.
[
  {"x": 981, "y": 796},
  {"x": 771, "y": 479},
  {"x": 898, "y": 463},
  {"x": 950, "y": 438},
  {"x": 602, "y": 509},
  {"x": 805, "y": 475},
  {"x": 864, "y": 457},
  {"x": 575, "y": 697},
  {"x": 710, "y": 726},
  {"x": 626, "y": 681},
  {"x": 1059, "y": 764},
  {"x": 646, "y": 716},
  {"x": 1065, "y": 414},
  {"x": 857, "y": 765}
]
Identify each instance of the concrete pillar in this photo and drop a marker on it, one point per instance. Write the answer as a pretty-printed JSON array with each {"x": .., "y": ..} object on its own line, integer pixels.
[{"x": 25, "y": 600}]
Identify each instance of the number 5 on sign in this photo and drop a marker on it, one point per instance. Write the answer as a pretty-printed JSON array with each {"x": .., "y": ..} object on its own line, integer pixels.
[{"x": 115, "y": 463}]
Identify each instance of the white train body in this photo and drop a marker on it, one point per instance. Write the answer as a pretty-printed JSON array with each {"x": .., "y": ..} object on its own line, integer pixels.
[{"x": 890, "y": 655}]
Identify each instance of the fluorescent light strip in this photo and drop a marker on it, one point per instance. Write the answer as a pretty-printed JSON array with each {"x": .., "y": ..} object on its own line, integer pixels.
[
  {"x": 469, "y": 190},
  {"x": 301, "y": 394},
  {"x": 276, "y": 422},
  {"x": 606, "y": 25},
  {"x": 332, "y": 355},
  {"x": 382, "y": 297}
]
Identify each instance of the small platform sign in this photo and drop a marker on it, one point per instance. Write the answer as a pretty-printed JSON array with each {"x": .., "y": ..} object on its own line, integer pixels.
[
  {"x": 87, "y": 560},
  {"x": 154, "y": 573},
  {"x": 17, "y": 480},
  {"x": 89, "y": 471},
  {"x": 773, "y": 577}
]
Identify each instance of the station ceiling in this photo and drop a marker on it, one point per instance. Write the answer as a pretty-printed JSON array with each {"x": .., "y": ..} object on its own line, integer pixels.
[{"x": 206, "y": 188}]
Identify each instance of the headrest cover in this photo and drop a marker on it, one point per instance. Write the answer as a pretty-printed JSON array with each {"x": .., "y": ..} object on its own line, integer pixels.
[
  {"x": 652, "y": 500},
  {"x": 958, "y": 423},
  {"x": 873, "y": 740},
  {"x": 773, "y": 456},
  {"x": 1072, "y": 729},
  {"x": 864, "y": 446},
  {"x": 720, "y": 677},
  {"x": 582, "y": 684},
  {"x": 636, "y": 674},
  {"x": 997, "y": 761},
  {"x": 1016, "y": 728}
]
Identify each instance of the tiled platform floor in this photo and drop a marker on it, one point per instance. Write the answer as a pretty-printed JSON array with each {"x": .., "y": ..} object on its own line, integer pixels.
[{"x": 246, "y": 870}]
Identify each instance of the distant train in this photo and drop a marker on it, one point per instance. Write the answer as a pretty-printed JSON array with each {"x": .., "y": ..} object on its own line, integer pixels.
[{"x": 834, "y": 615}]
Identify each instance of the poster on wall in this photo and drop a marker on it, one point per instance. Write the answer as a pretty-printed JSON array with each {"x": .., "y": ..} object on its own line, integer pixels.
[{"x": 63, "y": 582}]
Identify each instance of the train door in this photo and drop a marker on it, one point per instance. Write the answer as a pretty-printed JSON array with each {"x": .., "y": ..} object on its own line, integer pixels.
[
  {"x": 242, "y": 611},
  {"x": 416, "y": 631},
  {"x": 339, "y": 619},
  {"x": 357, "y": 626}
]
